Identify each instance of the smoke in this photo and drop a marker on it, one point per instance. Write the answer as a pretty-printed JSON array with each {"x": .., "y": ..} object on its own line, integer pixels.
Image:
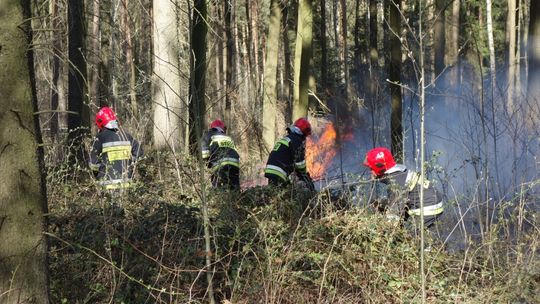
[{"x": 478, "y": 146}]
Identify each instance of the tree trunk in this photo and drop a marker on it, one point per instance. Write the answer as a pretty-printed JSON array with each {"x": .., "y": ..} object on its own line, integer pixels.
[
  {"x": 302, "y": 59},
  {"x": 438, "y": 36},
  {"x": 231, "y": 57},
  {"x": 23, "y": 202},
  {"x": 197, "y": 105},
  {"x": 533, "y": 89},
  {"x": 511, "y": 48},
  {"x": 166, "y": 83},
  {"x": 79, "y": 116},
  {"x": 94, "y": 54},
  {"x": 252, "y": 9},
  {"x": 396, "y": 126},
  {"x": 491, "y": 46},
  {"x": 130, "y": 60},
  {"x": 288, "y": 86},
  {"x": 270, "y": 77},
  {"x": 452, "y": 41},
  {"x": 373, "y": 49},
  {"x": 56, "y": 67},
  {"x": 345, "y": 49},
  {"x": 324, "y": 50}
]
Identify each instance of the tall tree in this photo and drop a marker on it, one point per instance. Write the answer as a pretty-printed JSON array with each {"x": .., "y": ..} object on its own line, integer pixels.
[
  {"x": 230, "y": 58},
  {"x": 491, "y": 45},
  {"x": 533, "y": 89},
  {"x": 452, "y": 27},
  {"x": 373, "y": 48},
  {"x": 125, "y": 22},
  {"x": 511, "y": 51},
  {"x": 287, "y": 86},
  {"x": 270, "y": 76},
  {"x": 324, "y": 47},
  {"x": 438, "y": 36},
  {"x": 79, "y": 113},
  {"x": 304, "y": 34},
  {"x": 197, "y": 105},
  {"x": 23, "y": 247},
  {"x": 166, "y": 78},
  {"x": 344, "y": 51},
  {"x": 94, "y": 56},
  {"x": 56, "y": 66},
  {"x": 396, "y": 126}
]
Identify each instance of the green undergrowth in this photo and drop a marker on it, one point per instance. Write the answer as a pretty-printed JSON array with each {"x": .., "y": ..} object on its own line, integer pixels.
[{"x": 268, "y": 246}]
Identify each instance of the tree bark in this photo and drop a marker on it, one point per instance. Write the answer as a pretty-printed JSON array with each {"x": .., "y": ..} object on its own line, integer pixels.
[
  {"x": 511, "y": 49},
  {"x": 491, "y": 45},
  {"x": 438, "y": 36},
  {"x": 302, "y": 59},
  {"x": 231, "y": 92},
  {"x": 345, "y": 49},
  {"x": 167, "y": 105},
  {"x": 270, "y": 77},
  {"x": 93, "y": 55},
  {"x": 373, "y": 49},
  {"x": 197, "y": 105},
  {"x": 324, "y": 43},
  {"x": 396, "y": 126},
  {"x": 79, "y": 116},
  {"x": 452, "y": 41},
  {"x": 533, "y": 89},
  {"x": 130, "y": 58},
  {"x": 287, "y": 86},
  {"x": 56, "y": 67},
  {"x": 23, "y": 246}
]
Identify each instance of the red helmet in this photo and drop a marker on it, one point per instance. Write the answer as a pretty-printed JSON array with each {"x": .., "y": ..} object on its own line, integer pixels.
[
  {"x": 379, "y": 160},
  {"x": 218, "y": 124},
  {"x": 104, "y": 116},
  {"x": 304, "y": 126}
]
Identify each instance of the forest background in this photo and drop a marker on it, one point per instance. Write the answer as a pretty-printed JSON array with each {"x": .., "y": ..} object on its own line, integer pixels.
[{"x": 448, "y": 84}]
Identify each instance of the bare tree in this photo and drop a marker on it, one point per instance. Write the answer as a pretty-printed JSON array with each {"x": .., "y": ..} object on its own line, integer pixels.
[
  {"x": 304, "y": 33},
  {"x": 270, "y": 76},
  {"x": 533, "y": 89},
  {"x": 395, "y": 78},
  {"x": 438, "y": 36},
  {"x": 452, "y": 26},
  {"x": 79, "y": 113},
  {"x": 166, "y": 84},
  {"x": 23, "y": 202}
]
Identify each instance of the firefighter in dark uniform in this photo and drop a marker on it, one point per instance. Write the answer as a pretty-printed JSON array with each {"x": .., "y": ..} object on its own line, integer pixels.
[
  {"x": 288, "y": 156},
  {"x": 402, "y": 187},
  {"x": 114, "y": 152},
  {"x": 221, "y": 156}
]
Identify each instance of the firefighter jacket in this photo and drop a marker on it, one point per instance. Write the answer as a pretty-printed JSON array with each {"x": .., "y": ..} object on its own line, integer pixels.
[
  {"x": 219, "y": 150},
  {"x": 288, "y": 156},
  {"x": 402, "y": 189},
  {"x": 113, "y": 154}
]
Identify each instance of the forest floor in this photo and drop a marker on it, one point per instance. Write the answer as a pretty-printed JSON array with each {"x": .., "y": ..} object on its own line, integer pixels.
[{"x": 147, "y": 245}]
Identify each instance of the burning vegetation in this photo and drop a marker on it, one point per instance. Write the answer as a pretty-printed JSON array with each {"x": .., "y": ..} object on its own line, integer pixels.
[{"x": 321, "y": 151}]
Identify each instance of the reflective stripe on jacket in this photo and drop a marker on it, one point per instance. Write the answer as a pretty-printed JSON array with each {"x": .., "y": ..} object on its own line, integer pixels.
[
  {"x": 288, "y": 156},
  {"x": 219, "y": 150},
  {"x": 112, "y": 156},
  {"x": 403, "y": 188}
]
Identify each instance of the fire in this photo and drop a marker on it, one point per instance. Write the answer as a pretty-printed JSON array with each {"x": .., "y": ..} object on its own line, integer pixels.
[{"x": 321, "y": 152}]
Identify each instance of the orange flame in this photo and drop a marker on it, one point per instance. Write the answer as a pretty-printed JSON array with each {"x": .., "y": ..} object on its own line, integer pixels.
[{"x": 319, "y": 153}]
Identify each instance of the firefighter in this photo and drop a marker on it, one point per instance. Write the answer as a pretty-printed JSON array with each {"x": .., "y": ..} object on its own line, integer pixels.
[
  {"x": 402, "y": 187},
  {"x": 221, "y": 156},
  {"x": 114, "y": 152},
  {"x": 288, "y": 156}
]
